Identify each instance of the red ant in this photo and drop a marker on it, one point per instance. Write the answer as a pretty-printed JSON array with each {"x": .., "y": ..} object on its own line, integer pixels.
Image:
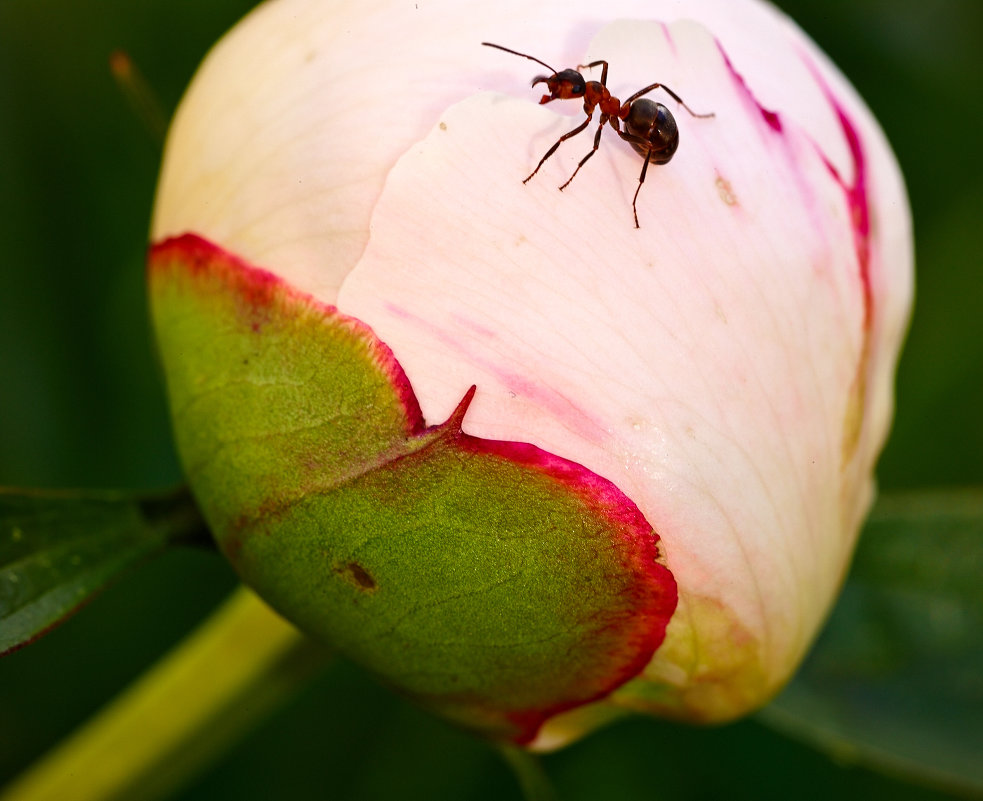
[{"x": 650, "y": 127}]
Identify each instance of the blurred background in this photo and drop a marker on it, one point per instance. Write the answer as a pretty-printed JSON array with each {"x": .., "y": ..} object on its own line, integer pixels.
[{"x": 81, "y": 402}]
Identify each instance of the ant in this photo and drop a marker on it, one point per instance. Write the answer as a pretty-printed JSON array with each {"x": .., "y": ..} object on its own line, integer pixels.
[{"x": 650, "y": 127}]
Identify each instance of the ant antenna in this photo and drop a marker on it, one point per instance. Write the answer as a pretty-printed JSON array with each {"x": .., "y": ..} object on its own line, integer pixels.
[{"x": 517, "y": 53}]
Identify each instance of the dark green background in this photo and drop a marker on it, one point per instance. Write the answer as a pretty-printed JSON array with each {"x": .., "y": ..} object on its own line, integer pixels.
[{"x": 81, "y": 402}]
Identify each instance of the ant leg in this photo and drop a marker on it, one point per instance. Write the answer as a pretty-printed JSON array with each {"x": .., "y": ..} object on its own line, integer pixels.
[
  {"x": 604, "y": 70},
  {"x": 597, "y": 142},
  {"x": 641, "y": 141},
  {"x": 641, "y": 180},
  {"x": 638, "y": 140},
  {"x": 669, "y": 92},
  {"x": 558, "y": 142}
]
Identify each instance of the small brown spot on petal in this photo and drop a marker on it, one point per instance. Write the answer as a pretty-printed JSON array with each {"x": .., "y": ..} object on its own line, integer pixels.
[{"x": 725, "y": 191}]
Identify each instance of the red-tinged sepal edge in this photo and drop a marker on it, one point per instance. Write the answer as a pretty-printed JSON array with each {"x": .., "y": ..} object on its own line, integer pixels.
[{"x": 493, "y": 582}]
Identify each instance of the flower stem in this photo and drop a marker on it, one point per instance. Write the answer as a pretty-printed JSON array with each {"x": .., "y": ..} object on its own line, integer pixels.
[
  {"x": 528, "y": 772},
  {"x": 186, "y": 711}
]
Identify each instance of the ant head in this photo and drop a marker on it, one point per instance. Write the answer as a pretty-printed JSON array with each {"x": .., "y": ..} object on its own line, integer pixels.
[{"x": 565, "y": 85}]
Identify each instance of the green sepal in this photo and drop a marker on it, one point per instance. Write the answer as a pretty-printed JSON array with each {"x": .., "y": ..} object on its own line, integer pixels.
[{"x": 494, "y": 582}]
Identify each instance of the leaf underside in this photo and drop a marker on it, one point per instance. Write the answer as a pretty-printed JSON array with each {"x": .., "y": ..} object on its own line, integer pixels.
[{"x": 896, "y": 679}]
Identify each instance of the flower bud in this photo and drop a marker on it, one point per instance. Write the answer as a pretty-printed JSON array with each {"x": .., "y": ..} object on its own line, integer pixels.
[{"x": 528, "y": 464}]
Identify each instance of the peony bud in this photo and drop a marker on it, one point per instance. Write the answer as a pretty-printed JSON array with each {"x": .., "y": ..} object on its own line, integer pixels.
[{"x": 531, "y": 465}]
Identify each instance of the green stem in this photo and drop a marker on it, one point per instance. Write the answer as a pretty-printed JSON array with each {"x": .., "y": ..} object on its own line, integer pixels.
[
  {"x": 529, "y": 773},
  {"x": 186, "y": 711}
]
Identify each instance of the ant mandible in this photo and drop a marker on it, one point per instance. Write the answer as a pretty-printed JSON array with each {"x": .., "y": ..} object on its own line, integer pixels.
[{"x": 650, "y": 127}]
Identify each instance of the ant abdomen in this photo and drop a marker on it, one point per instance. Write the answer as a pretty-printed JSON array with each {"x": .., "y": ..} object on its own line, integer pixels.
[{"x": 654, "y": 123}]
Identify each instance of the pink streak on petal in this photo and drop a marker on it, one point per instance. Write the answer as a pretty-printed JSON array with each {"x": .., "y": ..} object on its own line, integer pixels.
[
  {"x": 668, "y": 35},
  {"x": 474, "y": 327},
  {"x": 574, "y": 417},
  {"x": 771, "y": 118},
  {"x": 856, "y": 193},
  {"x": 789, "y": 137}
]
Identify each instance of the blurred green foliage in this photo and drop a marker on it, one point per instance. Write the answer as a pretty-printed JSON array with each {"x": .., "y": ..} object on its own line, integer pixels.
[{"x": 81, "y": 402}]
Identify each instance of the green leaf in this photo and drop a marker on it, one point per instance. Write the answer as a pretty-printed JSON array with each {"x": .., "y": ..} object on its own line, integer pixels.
[
  {"x": 896, "y": 680},
  {"x": 58, "y": 548}
]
